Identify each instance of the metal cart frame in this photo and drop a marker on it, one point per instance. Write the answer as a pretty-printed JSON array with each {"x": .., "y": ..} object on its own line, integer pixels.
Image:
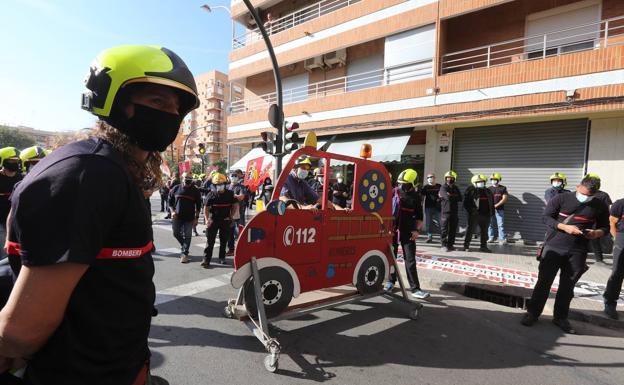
[{"x": 260, "y": 327}]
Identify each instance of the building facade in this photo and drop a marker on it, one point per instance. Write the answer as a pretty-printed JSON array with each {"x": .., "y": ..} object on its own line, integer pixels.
[
  {"x": 206, "y": 125},
  {"x": 524, "y": 87}
]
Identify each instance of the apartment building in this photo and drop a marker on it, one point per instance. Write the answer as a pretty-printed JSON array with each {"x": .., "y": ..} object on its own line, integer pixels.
[
  {"x": 207, "y": 124},
  {"x": 524, "y": 87}
]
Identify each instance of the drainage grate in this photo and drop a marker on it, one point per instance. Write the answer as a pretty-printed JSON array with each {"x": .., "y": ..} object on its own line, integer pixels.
[{"x": 498, "y": 298}]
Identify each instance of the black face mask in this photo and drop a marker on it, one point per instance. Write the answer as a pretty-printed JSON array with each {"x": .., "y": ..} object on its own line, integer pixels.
[
  {"x": 187, "y": 181},
  {"x": 13, "y": 167},
  {"x": 150, "y": 129}
]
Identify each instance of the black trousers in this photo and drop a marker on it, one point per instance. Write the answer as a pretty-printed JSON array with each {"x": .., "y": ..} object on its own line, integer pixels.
[
  {"x": 223, "y": 228},
  {"x": 448, "y": 229},
  {"x": 163, "y": 203},
  {"x": 409, "y": 256},
  {"x": 484, "y": 224},
  {"x": 572, "y": 266},
  {"x": 596, "y": 247},
  {"x": 614, "y": 284}
]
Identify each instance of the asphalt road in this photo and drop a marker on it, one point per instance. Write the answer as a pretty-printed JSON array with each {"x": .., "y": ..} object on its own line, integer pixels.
[{"x": 456, "y": 340}]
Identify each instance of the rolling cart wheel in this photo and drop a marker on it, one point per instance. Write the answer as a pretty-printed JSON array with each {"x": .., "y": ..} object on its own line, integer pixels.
[
  {"x": 370, "y": 276},
  {"x": 413, "y": 314},
  {"x": 227, "y": 312},
  {"x": 271, "y": 364},
  {"x": 277, "y": 291}
]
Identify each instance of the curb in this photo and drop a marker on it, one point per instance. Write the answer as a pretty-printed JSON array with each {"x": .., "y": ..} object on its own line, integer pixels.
[{"x": 588, "y": 316}]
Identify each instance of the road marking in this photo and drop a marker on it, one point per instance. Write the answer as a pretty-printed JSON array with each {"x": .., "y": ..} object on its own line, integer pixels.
[
  {"x": 191, "y": 288},
  {"x": 508, "y": 276}
]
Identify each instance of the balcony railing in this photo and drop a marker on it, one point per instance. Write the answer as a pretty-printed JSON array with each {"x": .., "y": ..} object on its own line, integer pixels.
[
  {"x": 381, "y": 77},
  {"x": 292, "y": 20},
  {"x": 580, "y": 38}
]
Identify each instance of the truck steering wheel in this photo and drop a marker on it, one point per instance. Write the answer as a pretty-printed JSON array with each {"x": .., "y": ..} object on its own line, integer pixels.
[{"x": 292, "y": 202}]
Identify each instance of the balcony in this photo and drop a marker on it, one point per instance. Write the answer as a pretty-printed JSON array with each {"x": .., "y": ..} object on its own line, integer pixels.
[
  {"x": 377, "y": 78},
  {"x": 603, "y": 34},
  {"x": 292, "y": 20}
]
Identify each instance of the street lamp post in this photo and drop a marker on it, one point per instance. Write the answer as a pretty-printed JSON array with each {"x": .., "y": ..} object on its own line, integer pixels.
[
  {"x": 187, "y": 138},
  {"x": 209, "y": 8}
]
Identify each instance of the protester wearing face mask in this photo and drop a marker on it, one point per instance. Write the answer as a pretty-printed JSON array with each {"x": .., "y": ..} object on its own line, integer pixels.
[
  {"x": 596, "y": 245},
  {"x": 340, "y": 192},
  {"x": 499, "y": 192},
  {"x": 316, "y": 183},
  {"x": 296, "y": 188},
  {"x": 408, "y": 216},
  {"x": 218, "y": 216},
  {"x": 479, "y": 205},
  {"x": 9, "y": 176},
  {"x": 572, "y": 220},
  {"x": 558, "y": 182},
  {"x": 430, "y": 192},
  {"x": 185, "y": 205},
  {"x": 242, "y": 194},
  {"x": 450, "y": 196}
]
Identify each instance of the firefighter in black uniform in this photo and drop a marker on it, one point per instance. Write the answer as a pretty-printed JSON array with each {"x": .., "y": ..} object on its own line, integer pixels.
[
  {"x": 408, "y": 216},
  {"x": 84, "y": 295},
  {"x": 595, "y": 244},
  {"x": 479, "y": 205},
  {"x": 431, "y": 198},
  {"x": 218, "y": 216},
  {"x": 614, "y": 284},
  {"x": 450, "y": 196},
  {"x": 340, "y": 192},
  {"x": 572, "y": 220},
  {"x": 242, "y": 194},
  {"x": 558, "y": 182}
]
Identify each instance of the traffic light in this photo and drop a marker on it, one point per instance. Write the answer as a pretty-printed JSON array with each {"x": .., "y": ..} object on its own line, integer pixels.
[
  {"x": 202, "y": 149},
  {"x": 290, "y": 136},
  {"x": 267, "y": 144}
]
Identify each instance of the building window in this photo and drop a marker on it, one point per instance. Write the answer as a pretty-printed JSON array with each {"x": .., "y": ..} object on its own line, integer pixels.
[{"x": 409, "y": 55}]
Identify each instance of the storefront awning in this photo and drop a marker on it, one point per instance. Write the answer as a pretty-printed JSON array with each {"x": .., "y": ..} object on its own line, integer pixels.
[{"x": 386, "y": 149}]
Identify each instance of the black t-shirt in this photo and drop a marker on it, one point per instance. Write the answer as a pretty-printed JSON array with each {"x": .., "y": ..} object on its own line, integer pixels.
[
  {"x": 220, "y": 204},
  {"x": 337, "y": 194},
  {"x": 431, "y": 193},
  {"x": 6, "y": 189},
  {"x": 479, "y": 200},
  {"x": 552, "y": 192},
  {"x": 497, "y": 194},
  {"x": 409, "y": 210},
  {"x": 603, "y": 197},
  {"x": 186, "y": 201},
  {"x": 617, "y": 210},
  {"x": 241, "y": 189},
  {"x": 588, "y": 215},
  {"x": 450, "y": 196},
  {"x": 62, "y": 212}
]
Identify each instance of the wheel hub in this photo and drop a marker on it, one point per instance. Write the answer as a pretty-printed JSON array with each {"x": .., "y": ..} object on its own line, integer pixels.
[
  {"x": 271, "y": 292},
  {"x": 371, "y": 276}
]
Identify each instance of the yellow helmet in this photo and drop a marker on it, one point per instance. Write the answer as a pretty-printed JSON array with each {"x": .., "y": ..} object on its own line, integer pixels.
[
  {"x": 317, "y": 171},
  {"x": 450, "y": 174},
  {"x": 219, "y": 178},
  {"x": 303, "y": 160},
  {"x": 496, "y": 176},
  {"x": 592, "y": 175},
  {"x": 559, "y": 175},
  {"x": 9, "y": 152},
  {"x": 408, "y": 176},
  {"x": 477, "y": 178}
]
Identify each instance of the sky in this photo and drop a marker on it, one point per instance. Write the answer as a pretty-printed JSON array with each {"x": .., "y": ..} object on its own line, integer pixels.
[{"x": 48, "y": 45}]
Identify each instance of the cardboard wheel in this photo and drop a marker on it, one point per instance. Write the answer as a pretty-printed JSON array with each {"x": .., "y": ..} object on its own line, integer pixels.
[
  {"x": 277, "y": 291},
  {"x": 371, "y": 275}
]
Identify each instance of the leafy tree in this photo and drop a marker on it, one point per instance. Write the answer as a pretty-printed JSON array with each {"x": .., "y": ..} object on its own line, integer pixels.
[
  {"x": 10, "y": 137},
  {"x": 221, "y": 165}
]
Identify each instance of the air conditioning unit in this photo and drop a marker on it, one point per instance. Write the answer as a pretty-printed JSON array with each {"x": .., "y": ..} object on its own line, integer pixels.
[
  {"x": 336, "y": 57},
  {"x": 314, "y": 62}
]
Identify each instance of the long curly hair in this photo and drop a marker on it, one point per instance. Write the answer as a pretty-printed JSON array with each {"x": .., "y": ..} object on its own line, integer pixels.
[{"x": 146, "y": 175}]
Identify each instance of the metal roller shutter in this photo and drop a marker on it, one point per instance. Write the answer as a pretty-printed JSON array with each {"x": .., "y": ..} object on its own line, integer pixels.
[{"x": 526, "y": 155}]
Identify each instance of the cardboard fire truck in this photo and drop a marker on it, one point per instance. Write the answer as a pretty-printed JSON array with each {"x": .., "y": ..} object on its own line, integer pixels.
[{"x": 285, "y": 251}]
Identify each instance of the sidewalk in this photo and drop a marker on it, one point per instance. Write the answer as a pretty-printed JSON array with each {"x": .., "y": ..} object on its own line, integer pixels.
[{"x": 511, "y": 270}]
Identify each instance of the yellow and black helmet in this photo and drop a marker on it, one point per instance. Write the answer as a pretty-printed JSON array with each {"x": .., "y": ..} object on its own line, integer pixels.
[
  {"x": 7, "y": 153},
  {"x": 408, "y": 176},
  {"x": 477, "y": 178},
  {"x": 116, "y": 67},
  {"x": 219, "y": 178},
  {"x": 450, "y": 174},
  {"x": 34, "y": 153},
  {"x": 496, "y": 176},
  {"x": 302, "y": 161}
]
